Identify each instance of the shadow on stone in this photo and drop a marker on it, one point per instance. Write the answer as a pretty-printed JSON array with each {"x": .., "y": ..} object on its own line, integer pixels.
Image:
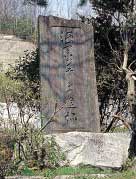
[{"x": 132, "y": 147}]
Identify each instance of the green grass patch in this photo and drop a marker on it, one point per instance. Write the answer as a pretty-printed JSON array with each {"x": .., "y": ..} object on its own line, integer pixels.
[
  {"x": 118, "y": 175},
  {"x": 27, "y": 172},
  {"x": 81, "y": 172},
  {"x": 75, "y": 171}
]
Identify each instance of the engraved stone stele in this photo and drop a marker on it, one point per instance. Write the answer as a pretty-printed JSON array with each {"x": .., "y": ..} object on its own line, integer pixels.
[{"x": 68, "y": 79}]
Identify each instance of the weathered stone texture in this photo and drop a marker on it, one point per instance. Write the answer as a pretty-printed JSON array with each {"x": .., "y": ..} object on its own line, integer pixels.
[
  {"x": 96, "y": 149},
  {"x": 68, "y": 75}
]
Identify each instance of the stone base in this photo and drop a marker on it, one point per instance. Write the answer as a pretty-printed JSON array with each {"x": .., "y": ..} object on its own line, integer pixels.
[{"x": 108, "y": 150}]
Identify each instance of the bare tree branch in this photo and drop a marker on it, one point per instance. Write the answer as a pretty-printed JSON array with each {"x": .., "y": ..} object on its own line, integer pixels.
[{"x": 52, "y": 117}]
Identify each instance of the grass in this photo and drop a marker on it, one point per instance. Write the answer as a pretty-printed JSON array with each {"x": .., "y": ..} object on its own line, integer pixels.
[
  {"x": 51, "y": 173},
  {"x": 78, "y": 170},
  {"x": 75, "y": 171},
  {"x": 80, "y": 173},
  {"x": 120, "y": 175},
  {"x": 27, "y": 172}
]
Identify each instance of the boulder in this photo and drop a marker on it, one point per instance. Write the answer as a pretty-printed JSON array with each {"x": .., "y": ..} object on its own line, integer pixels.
[{"x": 96, "y": 149}]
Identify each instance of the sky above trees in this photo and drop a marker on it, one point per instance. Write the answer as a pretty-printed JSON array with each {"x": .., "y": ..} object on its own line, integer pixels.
[{"x": 67, "y": 8}]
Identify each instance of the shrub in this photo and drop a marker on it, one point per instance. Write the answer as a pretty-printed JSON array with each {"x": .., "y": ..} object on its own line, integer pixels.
[{"x": 6, "y": 153}]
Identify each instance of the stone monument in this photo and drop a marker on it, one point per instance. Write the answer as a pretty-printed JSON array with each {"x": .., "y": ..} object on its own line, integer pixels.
[{"x": 68, "y": 79}]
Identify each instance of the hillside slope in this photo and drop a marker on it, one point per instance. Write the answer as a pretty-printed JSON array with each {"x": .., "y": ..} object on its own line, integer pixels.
[{"x": 11, "y": 48}]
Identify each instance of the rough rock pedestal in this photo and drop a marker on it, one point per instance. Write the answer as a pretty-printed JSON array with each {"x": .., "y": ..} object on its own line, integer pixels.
[{"x": 96, "y": 149}]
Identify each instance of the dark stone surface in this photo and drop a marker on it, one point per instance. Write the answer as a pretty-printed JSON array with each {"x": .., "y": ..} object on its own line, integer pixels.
[{"x": 68, "y": 76}]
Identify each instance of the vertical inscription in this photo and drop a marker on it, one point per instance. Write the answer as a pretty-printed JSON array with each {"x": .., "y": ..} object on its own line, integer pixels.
[
  {"x": 67, "y": 71},
  {"x": 70, "y": 112}
]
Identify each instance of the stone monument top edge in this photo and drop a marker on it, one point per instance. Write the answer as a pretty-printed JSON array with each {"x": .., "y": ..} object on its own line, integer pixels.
[{"x": 54, "y": 21}]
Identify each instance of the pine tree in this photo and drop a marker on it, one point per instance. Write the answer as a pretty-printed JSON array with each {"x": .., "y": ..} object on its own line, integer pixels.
[{"x": 115, "y": 45}]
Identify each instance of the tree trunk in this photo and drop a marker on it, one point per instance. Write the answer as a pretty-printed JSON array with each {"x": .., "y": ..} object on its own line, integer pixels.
[
  {"x": 132, "y": 105},
  {"x": 132, "y": 147}
]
